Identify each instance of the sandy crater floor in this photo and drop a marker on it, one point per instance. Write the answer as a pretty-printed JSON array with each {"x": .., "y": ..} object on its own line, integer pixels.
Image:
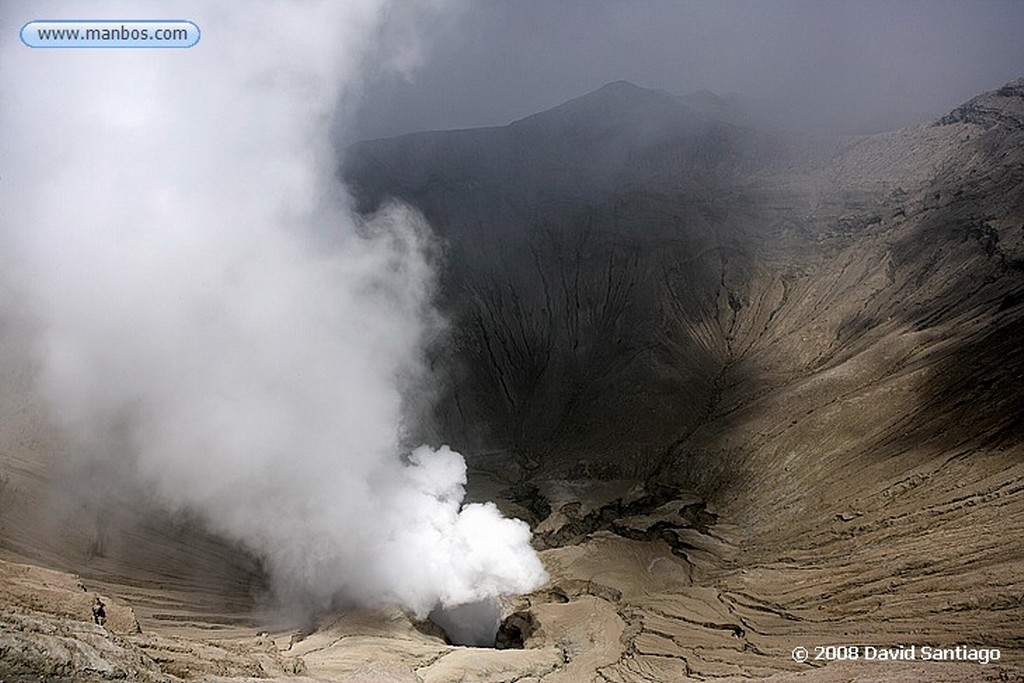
[{"x": 645, "y": 586}]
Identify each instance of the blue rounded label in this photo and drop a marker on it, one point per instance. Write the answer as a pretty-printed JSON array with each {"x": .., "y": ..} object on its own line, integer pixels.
[{"x": 109, "y": 33}]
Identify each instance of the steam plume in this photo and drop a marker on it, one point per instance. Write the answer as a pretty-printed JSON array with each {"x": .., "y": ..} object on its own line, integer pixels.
[{"x": 209, "y": 306}]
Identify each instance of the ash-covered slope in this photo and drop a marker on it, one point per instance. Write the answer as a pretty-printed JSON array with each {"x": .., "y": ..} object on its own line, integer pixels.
[
  {"x": 614, "y": 263},
  {"x": 586, "y": 249},
  {"x": 822, "y": 337}
]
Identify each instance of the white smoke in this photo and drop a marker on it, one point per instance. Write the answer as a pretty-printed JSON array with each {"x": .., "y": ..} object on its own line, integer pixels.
[{"x": 208, "y": 304}]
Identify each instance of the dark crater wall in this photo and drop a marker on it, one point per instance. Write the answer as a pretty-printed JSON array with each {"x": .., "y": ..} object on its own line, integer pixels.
[{"x": 632, "y": 284}]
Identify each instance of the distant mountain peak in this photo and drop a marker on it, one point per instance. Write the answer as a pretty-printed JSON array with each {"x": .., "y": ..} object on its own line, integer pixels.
[
  {"x": 623, "y": 90},
  {"x": 616, "y": 101},
  {"x": 620, "y": 86}
]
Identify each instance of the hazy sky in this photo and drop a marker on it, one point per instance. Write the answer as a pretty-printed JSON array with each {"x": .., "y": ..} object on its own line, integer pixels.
[{"x": 857, "y": 66}]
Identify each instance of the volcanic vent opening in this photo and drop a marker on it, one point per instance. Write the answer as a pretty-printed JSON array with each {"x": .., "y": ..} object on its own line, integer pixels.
[
  {"x": 480, "y": 624},
  {"x": 474, "y": 624}
]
